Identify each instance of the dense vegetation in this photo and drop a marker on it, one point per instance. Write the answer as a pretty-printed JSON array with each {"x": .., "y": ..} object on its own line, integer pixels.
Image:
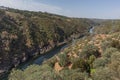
[
  {"x": 95, "y": 57},
  {"x": 24, "y": 34},
  {"x": 108, "y": 26}
]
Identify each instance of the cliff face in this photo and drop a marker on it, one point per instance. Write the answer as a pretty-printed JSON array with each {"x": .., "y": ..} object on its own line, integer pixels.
[{"x": 24, "y": 34}]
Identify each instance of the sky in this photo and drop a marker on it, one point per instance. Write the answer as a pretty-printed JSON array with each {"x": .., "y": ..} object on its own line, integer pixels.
[{"x": 104, "y": 9}]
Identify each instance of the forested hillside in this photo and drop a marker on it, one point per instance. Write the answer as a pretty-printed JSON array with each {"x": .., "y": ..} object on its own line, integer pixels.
[
  {"x": 108, "y": 26},
  {"x": 94, "y": 57},
  {"x": 24, "y": 34}
]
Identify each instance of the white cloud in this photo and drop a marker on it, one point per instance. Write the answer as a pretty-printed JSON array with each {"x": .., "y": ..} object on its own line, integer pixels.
[{"x": 30, "y": 5}]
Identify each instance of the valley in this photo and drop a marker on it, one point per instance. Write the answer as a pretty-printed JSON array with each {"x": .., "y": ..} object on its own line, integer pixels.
[{"x": 45, "y": 46}]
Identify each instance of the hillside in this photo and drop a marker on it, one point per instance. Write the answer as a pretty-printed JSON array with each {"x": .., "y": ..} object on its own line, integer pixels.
[
  {"x": 25, "y": 34},
  {"x": 94, "y": 57}
]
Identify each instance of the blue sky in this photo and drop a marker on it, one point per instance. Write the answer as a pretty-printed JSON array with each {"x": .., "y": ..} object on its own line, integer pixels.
[{"x": 109, "y": 9}]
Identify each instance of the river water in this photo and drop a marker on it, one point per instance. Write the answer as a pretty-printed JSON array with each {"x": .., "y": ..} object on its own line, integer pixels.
[
  {"x": 50, "y": 54},
  {"x": 44, "y": 57},
  {"x": 91, "y": 30}
]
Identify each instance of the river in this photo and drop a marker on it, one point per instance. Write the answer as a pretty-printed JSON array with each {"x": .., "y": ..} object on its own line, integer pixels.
[
  {"x": 50, "y": 54},
  {"x": 91, "y": 30},
  {"x": 43, "y": 57}
]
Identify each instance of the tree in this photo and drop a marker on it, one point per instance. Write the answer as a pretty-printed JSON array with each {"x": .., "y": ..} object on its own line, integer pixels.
[{"x": 89, "y": 50}]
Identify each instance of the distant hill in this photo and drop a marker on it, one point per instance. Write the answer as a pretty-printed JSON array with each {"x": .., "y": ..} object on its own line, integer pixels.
[{"x": 4, "y": 8}]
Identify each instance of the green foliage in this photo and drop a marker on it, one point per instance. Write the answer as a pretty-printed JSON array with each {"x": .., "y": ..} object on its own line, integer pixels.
[
  {"x": 115, "y": 44},
  {"x": 108, "y": 26},
  {"x": 103, "y": 67},
  {"x": 73, "y": 75},
  {"x": 17, "y": 75},
  {"x": 89, "y": 50},
  {"x": 100, "y": 62},
  {"x": 91, "y": 59},
  {"x": 108, "y": 52},
  {"x": 82, "y": 65},
  {"x": 63, "y": 59},
  {"x": 50, "y": 62},
  {"x": 78, "y": 76},
  {"x": 24, "y": 33},
  {"x": 35, "y": 72},
  {"x": 102, "y": 74}
]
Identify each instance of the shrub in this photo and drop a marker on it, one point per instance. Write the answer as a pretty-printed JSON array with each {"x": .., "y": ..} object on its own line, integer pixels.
[
  {"x": 50, "y": 62},
  {"x": 16, "y": 75},
  {"x": 106, "y": 44},
  {"x": 73, "y": 75},
  {"x": 110, "y": 43},
  {"x": 82, "y": 65},
  {"x": 100, "y": 62},
  {"x": 108, "y": 52},
  {"x": 63, "y": 59},
  {"x": 35, "y": 72},
  {"x": 102, "y": 74},
  {"x": 89, "y": 50},
  {"x": 115, "y": 44},
  {"x": 91, "y": 60}
]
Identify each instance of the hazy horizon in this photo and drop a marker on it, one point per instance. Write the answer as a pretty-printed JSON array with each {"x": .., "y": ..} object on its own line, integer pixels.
[{"x": 102, "y": 9}]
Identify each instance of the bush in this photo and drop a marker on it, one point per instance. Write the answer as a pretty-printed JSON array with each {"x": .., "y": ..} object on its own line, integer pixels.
[
  {"x": 79, "y": 63},
  {"x": 73, "y": 75},
  {"x": 102, "y": 74},
  {"x": 82, "y": 65},
  {"x": 17, "y": 75},
  {"x": 63, "y": 59},
  {"x": 108, "y": 52},
  {"x": 106, "y": 44},
  {"x": 115, "y": 63},
  {"x": 115, "y": 44},
  {"x": 50, "y": 62},
  {"x": 100, "y": 62},
  {"x": 110, "y": 43},
  {"x": 35, "y": 72},
  {"x": 88, "y": 51},
  {"x": 91, "y": 60}
]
